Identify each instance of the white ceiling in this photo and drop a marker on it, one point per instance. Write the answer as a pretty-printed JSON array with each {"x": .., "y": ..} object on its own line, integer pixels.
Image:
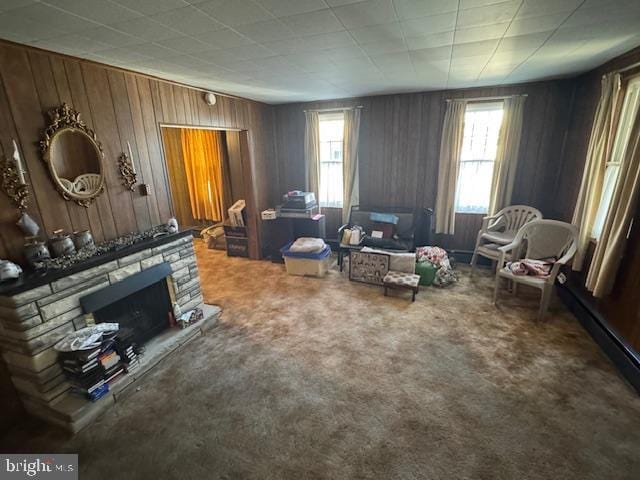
[{"x": 294, "y": 50}]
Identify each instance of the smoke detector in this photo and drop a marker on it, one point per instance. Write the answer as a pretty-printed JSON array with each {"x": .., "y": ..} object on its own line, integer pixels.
[{"x": 210, "y": 99}]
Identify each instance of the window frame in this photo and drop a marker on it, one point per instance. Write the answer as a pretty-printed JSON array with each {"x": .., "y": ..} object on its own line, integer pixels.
[
  {"x": 330, "y": 116},
  {"x": 633, "y": 81},
  {"x": 480, "y": 105}
]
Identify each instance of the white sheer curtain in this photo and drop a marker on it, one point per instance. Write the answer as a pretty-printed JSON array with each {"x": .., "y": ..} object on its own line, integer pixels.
[
  {"x": 504, "y": 169},
  {"x": 449, "y": 165},
  {"x": 591, "y": 187},
  {"x": 312, "y": 151},
  {"x": 623, "y": 196},
  {"x": 351, "y": 192}
]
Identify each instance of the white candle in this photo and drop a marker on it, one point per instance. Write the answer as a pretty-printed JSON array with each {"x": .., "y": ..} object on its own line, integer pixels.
[
  {"x": 133, "y": 165},
  {"x": 18, "y": 160}
]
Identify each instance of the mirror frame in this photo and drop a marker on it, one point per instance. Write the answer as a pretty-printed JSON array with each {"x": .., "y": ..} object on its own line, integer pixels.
[{"x": 66, "y": 119}]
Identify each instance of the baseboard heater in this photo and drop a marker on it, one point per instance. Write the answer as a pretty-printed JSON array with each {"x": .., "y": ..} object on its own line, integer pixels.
[{"x": 623, "y": 356}]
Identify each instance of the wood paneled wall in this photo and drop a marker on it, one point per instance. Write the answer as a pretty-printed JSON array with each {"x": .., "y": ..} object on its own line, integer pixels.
[
  {"x": 120, "y": 107},
  {"x": 400, "y": 144}
]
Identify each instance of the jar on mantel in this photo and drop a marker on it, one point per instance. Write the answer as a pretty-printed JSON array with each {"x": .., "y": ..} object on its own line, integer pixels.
[
  {"x": 83, "y": 239},
  {"x": 35, "y": 251},
  {"x": 61, "y": 244}
]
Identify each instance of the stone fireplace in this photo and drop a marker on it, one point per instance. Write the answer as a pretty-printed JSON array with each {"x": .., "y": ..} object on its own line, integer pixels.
[{"x": 135, "y": 285}]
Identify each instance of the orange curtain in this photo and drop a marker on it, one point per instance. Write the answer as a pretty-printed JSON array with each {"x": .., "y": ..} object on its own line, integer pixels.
[{"x": 204, "y": 153}]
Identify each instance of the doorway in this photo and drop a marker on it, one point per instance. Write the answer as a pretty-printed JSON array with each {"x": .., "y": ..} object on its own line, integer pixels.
[{"x": 209, "y": 170}]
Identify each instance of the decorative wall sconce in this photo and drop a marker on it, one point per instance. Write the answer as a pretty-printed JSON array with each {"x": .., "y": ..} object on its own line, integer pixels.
[
  {"x": 128, "y": 169},
  {"x": 14, "y": 183}
]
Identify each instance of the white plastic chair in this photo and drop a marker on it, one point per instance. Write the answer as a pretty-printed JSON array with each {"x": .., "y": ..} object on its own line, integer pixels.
[
  {"x": 543, "y": 239},
  {"x": 500, "y": 229}
]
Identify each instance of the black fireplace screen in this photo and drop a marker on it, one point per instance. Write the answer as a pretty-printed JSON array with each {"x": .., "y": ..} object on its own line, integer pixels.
[{"x": 145, "y": 312}]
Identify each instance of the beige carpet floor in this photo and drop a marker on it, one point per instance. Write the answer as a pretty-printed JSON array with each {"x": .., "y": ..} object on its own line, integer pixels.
[{"x": 325, "y": 378}]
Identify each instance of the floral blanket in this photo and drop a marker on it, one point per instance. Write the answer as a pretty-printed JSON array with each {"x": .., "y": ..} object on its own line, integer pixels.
[{"x": 445, "y": 275}]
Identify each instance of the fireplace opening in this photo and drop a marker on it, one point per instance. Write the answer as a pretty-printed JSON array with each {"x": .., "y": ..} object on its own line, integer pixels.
[
  {"x": 141, "y": 304},
  {"x": 145, "y": 313}
]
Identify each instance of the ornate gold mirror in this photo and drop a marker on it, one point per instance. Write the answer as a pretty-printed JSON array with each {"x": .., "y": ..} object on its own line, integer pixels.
[{"x": 74, "y": 156}]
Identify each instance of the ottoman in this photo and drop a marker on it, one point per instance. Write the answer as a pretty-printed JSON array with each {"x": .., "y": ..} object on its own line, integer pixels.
[{"x": 401, "y": 281}]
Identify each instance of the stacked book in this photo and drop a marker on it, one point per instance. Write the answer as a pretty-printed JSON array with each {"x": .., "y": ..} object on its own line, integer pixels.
[{"x": 90, "y": 372}]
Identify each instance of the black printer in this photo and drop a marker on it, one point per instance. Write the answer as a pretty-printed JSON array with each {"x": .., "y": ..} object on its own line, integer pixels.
[{"x": 298, "y": 200}]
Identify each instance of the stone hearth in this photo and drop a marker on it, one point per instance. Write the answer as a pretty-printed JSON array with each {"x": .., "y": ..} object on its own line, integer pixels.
[{"x": 38, "y": 311}]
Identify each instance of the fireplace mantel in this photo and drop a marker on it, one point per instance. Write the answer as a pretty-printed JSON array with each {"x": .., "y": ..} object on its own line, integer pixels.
[{"x": 31, "y": 279}]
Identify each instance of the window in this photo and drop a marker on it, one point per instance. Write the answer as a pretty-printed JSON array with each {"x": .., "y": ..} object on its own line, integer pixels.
[
  {"x": 482, "y": 123},
  {"x": 331, "y": 146},
  {"x": 627, "y": 116}
]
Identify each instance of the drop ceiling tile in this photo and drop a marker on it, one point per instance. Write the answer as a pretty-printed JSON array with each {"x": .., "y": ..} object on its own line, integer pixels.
[
  {"x": 471, "y": 49},
  {"x": 110, "y": 36},
  {"x": 187, "y": 20},
  {"x": 313, "y": 23},
  {"x": 428, "y": 25},
  {"x": 146, "y": 29},
  {"x": 369, "y": 12},
  {"x": 100, "y": 11},
  {"x": 431, "y": 54},
  {"x": 337, "y": 3},
  {"x": 432, "y": 69},
  {"x": 15, "y": 26},
  {"x": 517, "y": 42},
  {"x": 284, "y": 8},
  {"x": 124, "y": 54},
  {"x": 310, "y": 62},
  {"x": 287, "y": 47},
  {"x": 250, "y": 52},
  {"x": 223, "y": 38},
  {"x": 54, "y": 18},
  {"x": 586, "y": 17},
  {"x": 267, "y": 31},
  {"x": 85, "y": 43},
  {"x": 430, "y": 40},
  {"x": 151, "y": 7},
  {"x": 378, "y": 33},
  {"x": 326, "y": 41},
  {"x": 466, "y": 4},
  {"x": 353, "y": 64},
  {"x": 535, "y": 8},
  {"x": 409, "y": 9},
  {"x": 538, "y": 24},
  {"x": 8, "y": 5},
  {"x": 184, "y": 60},
  {"x": 512, "y": 56},
  {"x": 478, "y": 61},
  {"x": 218, "y": 56},
  {"x": 234, "y": 12},
  {"x": 484, "y": 32},
  {"x": 394, "y": 62},
  {"x": 488, "y": 15},
  {"x": 379, "y": 48},
  {"x": 184, "y": 44},
  {"x": 152, "y": 50},
  {"x": 343, "y": 53}
]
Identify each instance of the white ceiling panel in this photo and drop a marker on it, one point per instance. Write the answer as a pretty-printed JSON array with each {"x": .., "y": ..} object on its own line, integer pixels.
[
  {"x": 266, "y": 31},
  {"x": 430, "y": 40},
  {"x": 378, "y": 33},
  {"x": 431, "y": 24},
  {"x": 292, "y": 50},
  {"x": 234, "y": 12},
  {"x": 368, "y": 12},
  {"x": 409, "y": 9},
  {"x": 313, "y": 23}
]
